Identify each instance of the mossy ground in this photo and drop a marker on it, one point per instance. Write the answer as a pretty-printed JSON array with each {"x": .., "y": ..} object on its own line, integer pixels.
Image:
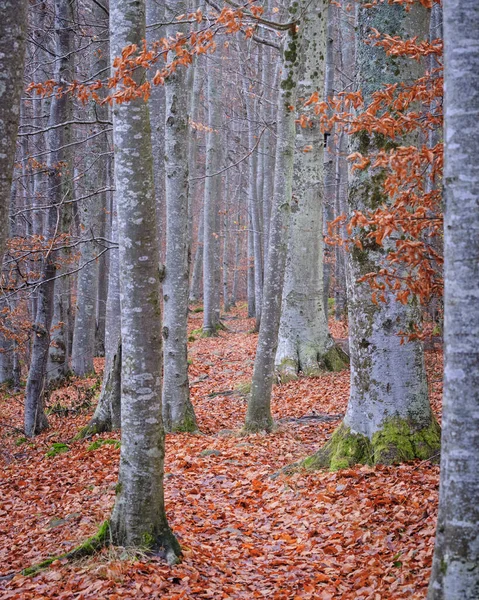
[{"x": 395, "y": 443}]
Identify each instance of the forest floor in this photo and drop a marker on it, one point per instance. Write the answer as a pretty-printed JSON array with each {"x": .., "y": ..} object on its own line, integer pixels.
[{"x": 363, "y": 533}]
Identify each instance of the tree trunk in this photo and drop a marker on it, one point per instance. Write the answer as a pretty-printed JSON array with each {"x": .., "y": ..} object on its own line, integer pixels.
[
  {"x": 13, "y": 32},
  {"x": 212, "y": 192},
  {"x": 304, "y": 342},
  {"x": 92, "y": 214},
  {"x": 35, "y": 418},
  {"x": 388, "y": 419},
  {"x": 138, "y": 517},
  {"x": 455, "y": 573},
  {"x": 258, "y": 417},
  {"x": 107, "y": 415},
  {"x": 178, "y": 412}
]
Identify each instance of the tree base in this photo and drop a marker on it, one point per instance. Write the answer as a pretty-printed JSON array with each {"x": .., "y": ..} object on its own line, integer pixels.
[
  {"x": 185, "y": 425},
  {"x": 314, "y": 365},
  {"x": 395, "y": 443},
  {"x": 90, "y": 546},
  {"x": 259, "y": 426}
]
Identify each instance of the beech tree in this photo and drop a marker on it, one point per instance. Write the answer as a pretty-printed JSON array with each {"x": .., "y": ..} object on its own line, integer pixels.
[
  {"x": 178, "y": 412},
  {"x": 13, "y": 31},
  {"x": 138, "y": 517},
  {"x": 455, "y": 573},
  {"x": 389, "y": 418},
  {"x": 60, "y": 110},
  {"x": 258, "y": 416},
  {"x": 304, "y": 343}
]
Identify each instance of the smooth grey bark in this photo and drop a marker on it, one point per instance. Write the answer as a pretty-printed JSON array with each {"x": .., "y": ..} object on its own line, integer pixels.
[
  {"x": 388, "y": 418},
  {"x": 83, "y": 348},
  {"x": 254, "y": 201},
  {"x": 258, "y": 416},
  {"x": 455, "y": 573},
  {"x": 35, "y": 418},
  {"x": 138, "y": 517},
  {"x": 155, "y": 13},
  {"x": 58, "y": 366},
  {"x": 304, "y": 343},
  {"x": 13, "y": 31},
  {"x": 195, "y": 289},
  {"x": 107, "y": 415},
  {"x": 212, "y": 192},
  {"x": 197, "y": 271},
  {"x": 91, "y": 213},
  {"x": 329, "y": 157},
  {"x": 178, "y": 412}
]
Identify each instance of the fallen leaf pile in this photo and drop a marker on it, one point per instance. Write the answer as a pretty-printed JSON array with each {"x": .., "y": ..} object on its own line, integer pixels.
[{"x": 364, "y": 533}]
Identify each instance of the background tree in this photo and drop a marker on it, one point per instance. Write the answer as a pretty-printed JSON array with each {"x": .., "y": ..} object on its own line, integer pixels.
[{"x": 13, "y": 30}]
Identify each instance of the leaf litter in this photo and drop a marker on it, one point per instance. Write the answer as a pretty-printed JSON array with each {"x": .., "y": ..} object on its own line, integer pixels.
[{"x": 365, "y": 533}]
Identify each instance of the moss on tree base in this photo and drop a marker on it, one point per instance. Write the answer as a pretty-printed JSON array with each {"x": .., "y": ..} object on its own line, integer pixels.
[
  {"x": 332, "y": 361},
  {"x": 90, "y": 546},
  {"x": 395, "y": 443},
  {"x": 186, "y": 425}
]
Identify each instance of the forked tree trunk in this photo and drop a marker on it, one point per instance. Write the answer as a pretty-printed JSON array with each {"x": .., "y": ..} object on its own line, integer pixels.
[
  {"x": 388, "y": 419},
  {"x": 138, "y": 517},
  {"x": 455, "y": 572},
  {"x": 178, "y": 412},
  {"x": 258, "y": 416},
  {"x": 304, "y": 343}
]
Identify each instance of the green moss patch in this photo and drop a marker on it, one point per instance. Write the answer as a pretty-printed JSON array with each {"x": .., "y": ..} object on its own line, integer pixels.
[
  {"x": 395, "y": 443},
  {"x": 57, "y": 448},
  {"x": 99, "y": 443}
]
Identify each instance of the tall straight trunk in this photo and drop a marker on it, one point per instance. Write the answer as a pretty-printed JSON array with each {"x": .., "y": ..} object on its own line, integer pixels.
[
  {"x": 258, "y": 416},
  {"x": 58, "y": 366},
  {"x": 226, "y": 245},
  {"x": 455, "y": 573},
  {"x": 138, "y": 517},
  {"x": 250, "y": 259},
  {"x": 212, "y": 192},
  {"x": 329, "y": 158},
  {"x": 35, "y": 418},
  {"x": 92, "y": 214},
  {"x": 340, "y": 208},
  {"x": 178, "y": 412},
  {"x": 254, "y": 200},
  {"x": 195, "y": 289},
  {"x": 195, "y": 286},
  {"x": 13, "y": 32},
  {"x": 107, "y": 415},
  {"x": 304, "y": 343},
  {"x": 388, "y": 419},
  {"x": 237, "y": 252},
  {"x": 155, "y": 14}
]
